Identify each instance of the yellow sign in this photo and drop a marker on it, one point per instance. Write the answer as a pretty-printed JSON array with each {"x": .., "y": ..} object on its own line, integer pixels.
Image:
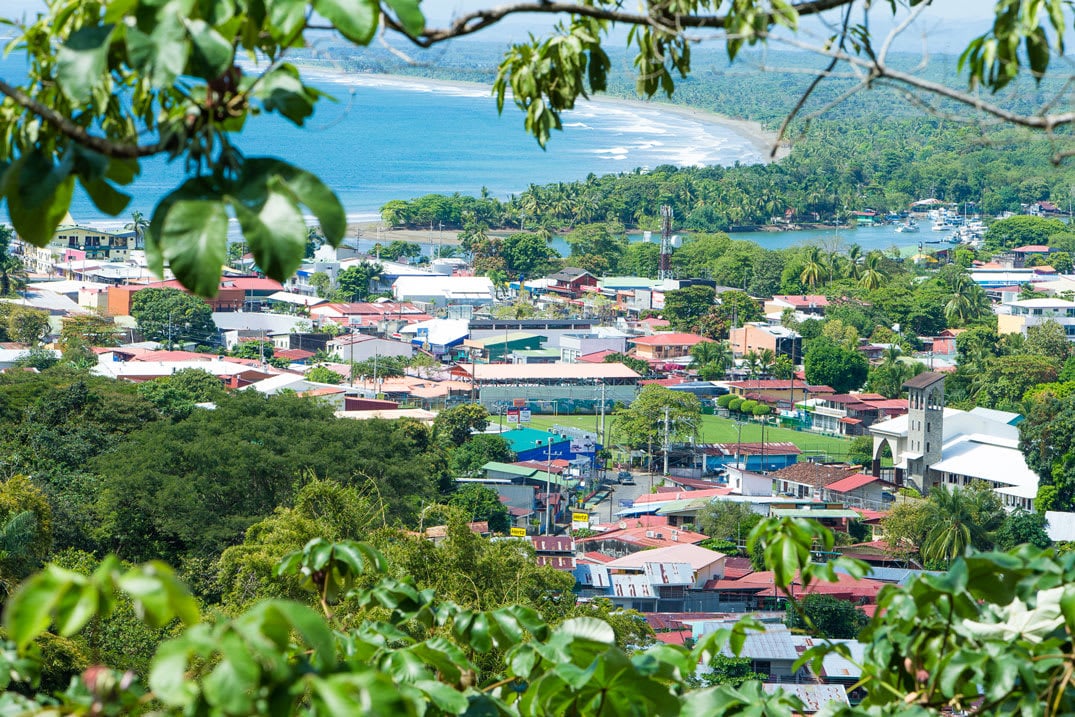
[
  {"x": 518, "y": 532},
  {"x": 580, "y": 517}
]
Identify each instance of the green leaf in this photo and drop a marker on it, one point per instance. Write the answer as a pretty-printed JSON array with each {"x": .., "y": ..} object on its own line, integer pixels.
[
  {"x": 38, "y": 196},
  {"x": 275, "y": 231},
  {"x": 409, "y": 15},
  {"x": 169, "y": 675},
  {"x": 29, "y": 610},
  {"x": 322, "y": 202},
  {"x": 356, "y": 20},
  {"x": 286, "y": 18},
  {"x": 212, "y": 54},
  {"x": 443, "y": 696},
  {"x": 85, "y": 608},
  {"x": 106, "y": 197},
  {"x": 588, "y": 628},
  {"x": 192, "y": 237},
  {"x": 281, "y": 90},
  {"x": 82, "y": 62},
  {"x": 235, "y": 678},
  {"x": 162, "y": 54},
  {"x": 311, "y": 627},
  {"x": 158, "y": 596}
]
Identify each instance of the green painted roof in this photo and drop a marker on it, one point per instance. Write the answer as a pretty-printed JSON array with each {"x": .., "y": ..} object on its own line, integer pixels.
[
  {"x": 523, "y": 439},
  {"x": 807, "y": 513},
  {"x": 501, "y": 339},
  {"x": 509, "y": 468},
  {"x": 677, "y": 506},
  {"x": 531, "y": 473}
]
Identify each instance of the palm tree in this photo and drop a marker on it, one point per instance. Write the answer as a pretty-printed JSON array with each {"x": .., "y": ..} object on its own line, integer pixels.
[
  {"x": 753, "y": 361},
  {"x": 12, "y": 272},
  {"x": 138, "y": 224},
  {"x": 872, "y": 276},
  {"x": 766, "y": 360},
  {"x": 813, "y": 268},
  {"x": 704, "y": 352},
  {"x": 960, "y": 519},
  {"x": 967, "y": 303},
  {"x": 16, "y": 535},
  {"x": 854, "y": 262}
]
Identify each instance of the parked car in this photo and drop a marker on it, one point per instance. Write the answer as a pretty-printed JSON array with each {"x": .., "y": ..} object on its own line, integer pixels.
[{"x": 625, "y": 478}]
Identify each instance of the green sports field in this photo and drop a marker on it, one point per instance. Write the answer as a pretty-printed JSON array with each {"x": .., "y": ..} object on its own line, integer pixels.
[{"x": 723, "y": 430}]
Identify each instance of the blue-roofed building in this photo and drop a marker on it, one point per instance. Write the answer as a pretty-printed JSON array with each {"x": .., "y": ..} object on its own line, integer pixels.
[{"x": 530, "y": 444}]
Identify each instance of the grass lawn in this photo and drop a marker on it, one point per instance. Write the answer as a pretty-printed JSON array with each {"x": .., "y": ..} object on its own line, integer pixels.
[{"x": 723, "y": 430}]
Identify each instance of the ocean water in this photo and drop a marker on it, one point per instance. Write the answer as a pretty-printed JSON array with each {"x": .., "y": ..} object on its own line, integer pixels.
[{"x": 386, "y": 138}]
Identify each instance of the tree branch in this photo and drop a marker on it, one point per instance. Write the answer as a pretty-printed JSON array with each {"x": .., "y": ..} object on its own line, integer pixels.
[
  {"x": 880, "y": 70},
  {"x": 480, "y": 19},
  {"x": 77, "y": 132}
]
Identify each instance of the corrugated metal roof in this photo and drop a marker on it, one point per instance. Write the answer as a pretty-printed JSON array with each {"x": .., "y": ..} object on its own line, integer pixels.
[
  {"x": 697, "y": 557},
  {"x": 669, "y": 573},
  {"x": 820, "y": 513},
  {"x": 773, "y": 644},
  {"x": 813, "y": 697},
  {"x": 632, "y": 585}
]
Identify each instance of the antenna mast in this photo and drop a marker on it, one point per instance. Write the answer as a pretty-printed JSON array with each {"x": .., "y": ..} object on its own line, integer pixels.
[{"x": 664, "y": 267}]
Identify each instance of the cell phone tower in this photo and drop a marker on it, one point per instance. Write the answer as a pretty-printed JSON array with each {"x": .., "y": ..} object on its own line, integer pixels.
[{"x": 664, "y": 266}]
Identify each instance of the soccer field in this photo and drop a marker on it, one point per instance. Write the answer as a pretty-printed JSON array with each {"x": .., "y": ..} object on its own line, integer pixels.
[{"x": 723, "y": 430}]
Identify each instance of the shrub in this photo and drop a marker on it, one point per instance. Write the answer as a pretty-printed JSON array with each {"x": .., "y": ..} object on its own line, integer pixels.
[
  {"x": 735, "y": 404},
  {"x": 748, "y": 406},
  {"x": 761, "y": 410},
  {"x": 723, "y": 401}
]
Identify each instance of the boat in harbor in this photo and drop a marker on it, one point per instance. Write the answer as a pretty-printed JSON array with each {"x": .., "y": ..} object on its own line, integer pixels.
[{"x": 908, "y": 227}]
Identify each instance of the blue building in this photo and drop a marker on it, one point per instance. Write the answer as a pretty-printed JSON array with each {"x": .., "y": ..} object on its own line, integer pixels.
[
  {"x": 531, "y": 444},
  {"x": 757, "y": 457}
]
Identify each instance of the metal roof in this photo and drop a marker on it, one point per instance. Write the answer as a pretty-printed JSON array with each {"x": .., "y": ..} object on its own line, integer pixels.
[{"x": 807, "y": 513}]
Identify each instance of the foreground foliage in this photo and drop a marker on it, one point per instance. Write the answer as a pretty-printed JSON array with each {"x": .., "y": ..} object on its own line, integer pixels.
[{"x": 993, "y": 636}]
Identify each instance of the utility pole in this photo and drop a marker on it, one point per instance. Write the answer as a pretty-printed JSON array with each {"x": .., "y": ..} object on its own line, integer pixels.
[
  {"x": 375, "y": 391},
  {"x": 664, "y": 266},
  {"x": 667, "y": 411}
]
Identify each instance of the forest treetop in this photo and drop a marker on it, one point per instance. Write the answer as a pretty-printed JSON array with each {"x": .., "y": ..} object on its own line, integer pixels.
[{"x": 112, "y": 82}]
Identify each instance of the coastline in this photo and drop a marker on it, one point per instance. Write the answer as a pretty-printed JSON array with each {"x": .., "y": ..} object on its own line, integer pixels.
[{"x": 757, "y": 135}]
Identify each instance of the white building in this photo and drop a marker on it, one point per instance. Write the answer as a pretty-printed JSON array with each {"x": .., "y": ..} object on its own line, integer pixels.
[
  {"x": 602, "y": 338},
  {"x": 1015, "y": 317},
  {"x": 933, "y": 445},
  {"x": 362, "y": 347},
  {"x": 444, "y": 290}
]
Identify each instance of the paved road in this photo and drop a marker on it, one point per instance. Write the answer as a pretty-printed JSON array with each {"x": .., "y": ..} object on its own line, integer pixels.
[{"x": 622, "y": 493}]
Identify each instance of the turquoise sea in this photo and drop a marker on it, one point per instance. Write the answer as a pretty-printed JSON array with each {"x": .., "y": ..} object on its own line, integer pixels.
[{"x": 387, "y": 138}]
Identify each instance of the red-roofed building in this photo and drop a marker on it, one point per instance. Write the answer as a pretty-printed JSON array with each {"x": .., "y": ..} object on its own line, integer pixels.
[
  {"x": 558, "y": 465},
  {"x": 852, "y": 414},
  {"x": 783, "y": 394},
  {"x": 804, "y": 303},
  {"x": 619, "y": 543},
  {"x": 555, "y": 551},
  {"x": 860, "y": 490},
  {"x": 593, "y": 557},
  {"x": 647, "y": 498},
  {"x": 756, "y": 589},
  {"x": 595, "y": 357},
  {"x": 294, "y": 355},
  {"x": 380, "y": 317},
  {"x": 664, "y": 346}
]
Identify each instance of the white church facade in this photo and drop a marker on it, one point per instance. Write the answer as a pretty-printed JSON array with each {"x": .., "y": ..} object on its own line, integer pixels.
[{"x": 932, "y": 445}]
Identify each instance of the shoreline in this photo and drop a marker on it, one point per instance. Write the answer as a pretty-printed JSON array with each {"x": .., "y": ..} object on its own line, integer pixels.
[{"x": 760, "y": 138}]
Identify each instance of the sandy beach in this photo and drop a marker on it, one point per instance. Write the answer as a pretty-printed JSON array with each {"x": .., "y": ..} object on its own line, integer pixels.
[{"x": 758, "y": 136}]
